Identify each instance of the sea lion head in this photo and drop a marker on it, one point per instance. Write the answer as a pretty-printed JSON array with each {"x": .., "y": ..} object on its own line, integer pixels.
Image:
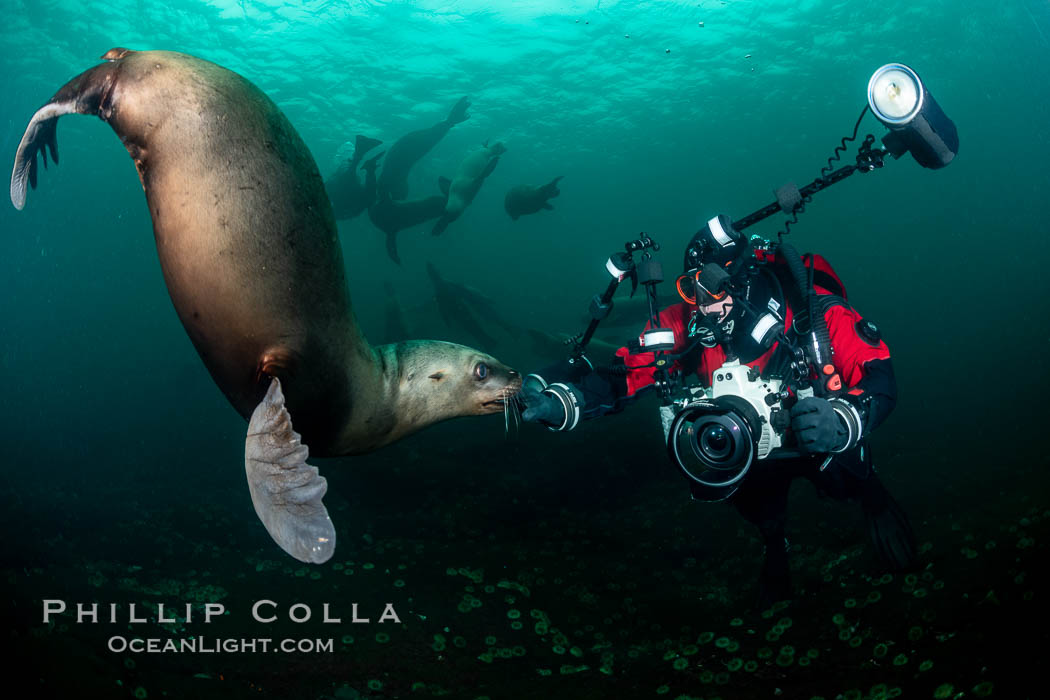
[
  {"x": 446, "y": 380},
  {"x": 467, "y": 382}
]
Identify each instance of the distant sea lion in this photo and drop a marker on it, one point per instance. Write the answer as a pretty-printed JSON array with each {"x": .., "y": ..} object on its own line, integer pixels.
[
  {"x": 393, "y": 180},
  {"x": 470, "y": 175},
  {"x": 391, "y": 217},
  {"x": 461, "y": 306},
  {"x": 529, "y": 199},
  {"x": 350, "y": 197},
  {"x": 247, "y": 244}
]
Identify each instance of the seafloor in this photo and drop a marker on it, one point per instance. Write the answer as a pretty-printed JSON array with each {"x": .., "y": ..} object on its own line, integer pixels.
[{"x": 535, "y": 567}]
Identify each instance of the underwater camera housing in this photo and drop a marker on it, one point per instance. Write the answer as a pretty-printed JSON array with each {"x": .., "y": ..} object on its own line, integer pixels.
[{"x": 715, "y": 435}]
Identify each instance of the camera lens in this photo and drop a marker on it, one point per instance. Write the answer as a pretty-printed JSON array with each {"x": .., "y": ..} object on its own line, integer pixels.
[{"x": 716, "y": 442}]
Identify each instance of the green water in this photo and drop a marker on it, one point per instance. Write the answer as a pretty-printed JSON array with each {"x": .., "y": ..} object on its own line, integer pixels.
[{"x": 122, "y": 477}]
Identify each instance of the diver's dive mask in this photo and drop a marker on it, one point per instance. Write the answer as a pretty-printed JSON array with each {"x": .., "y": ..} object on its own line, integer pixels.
[
  {"x": 751, "y": 316},
  {"x": 703, "y": 285}
]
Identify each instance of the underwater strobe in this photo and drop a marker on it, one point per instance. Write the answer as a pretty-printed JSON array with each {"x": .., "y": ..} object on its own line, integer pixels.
[{"x": 917, "y": 124}]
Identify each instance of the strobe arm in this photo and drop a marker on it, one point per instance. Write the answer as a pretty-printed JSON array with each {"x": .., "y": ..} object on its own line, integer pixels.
[{"x": 789, "y": 197}]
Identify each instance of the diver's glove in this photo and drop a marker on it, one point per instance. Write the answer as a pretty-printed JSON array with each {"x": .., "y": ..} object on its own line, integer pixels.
[
  {"x": 823, "y": 426},
  {"x": 556, "y": 406}
]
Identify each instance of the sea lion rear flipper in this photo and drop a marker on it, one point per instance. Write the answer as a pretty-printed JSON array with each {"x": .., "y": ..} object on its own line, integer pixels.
[
  {"x": 458, "y": 113},
  {"x": 364, "y": 144},
  {"x": 551, "y": 188},
  {"x": 285, "y": 490},
  {"x": 83, "y": 94},
  {"x": 40, "y": 136},
  {"x": 391, "y": 246}
]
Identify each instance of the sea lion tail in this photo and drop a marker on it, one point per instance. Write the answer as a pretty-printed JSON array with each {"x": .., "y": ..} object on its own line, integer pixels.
[
  {"x": 88, "y": 93},
  {"x": 458, "y": 113},
  {"x": 285, "y": 490}
]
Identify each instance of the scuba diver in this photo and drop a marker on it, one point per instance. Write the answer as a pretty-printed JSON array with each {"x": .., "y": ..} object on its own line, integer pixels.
[{"x": 748, "y": 306}]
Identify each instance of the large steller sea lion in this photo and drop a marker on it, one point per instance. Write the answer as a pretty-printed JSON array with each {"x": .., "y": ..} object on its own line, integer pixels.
[{"x": 248, "y": 246}]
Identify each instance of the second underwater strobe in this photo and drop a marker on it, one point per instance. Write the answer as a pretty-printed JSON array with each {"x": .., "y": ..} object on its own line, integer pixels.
[{"x": 899, "y": 99}]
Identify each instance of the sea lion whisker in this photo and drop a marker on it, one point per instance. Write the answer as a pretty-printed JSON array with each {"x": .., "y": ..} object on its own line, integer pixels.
[
  {"x": 506, "y": 411},
  {"x": 516, "y": 412}
]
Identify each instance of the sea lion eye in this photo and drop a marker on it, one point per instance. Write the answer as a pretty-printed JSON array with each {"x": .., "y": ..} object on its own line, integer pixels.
[{"x": 481, "y": 370}]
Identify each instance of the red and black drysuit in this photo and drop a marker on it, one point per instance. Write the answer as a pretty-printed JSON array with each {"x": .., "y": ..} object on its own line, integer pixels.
[{"x": 859, "y": 355}]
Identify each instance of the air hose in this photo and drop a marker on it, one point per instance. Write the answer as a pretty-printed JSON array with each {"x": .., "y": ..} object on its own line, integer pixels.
[{"x": 819, "y": 350}]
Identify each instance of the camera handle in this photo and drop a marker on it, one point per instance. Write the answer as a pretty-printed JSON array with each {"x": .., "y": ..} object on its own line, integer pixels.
[{"x": 620, "y": 266}]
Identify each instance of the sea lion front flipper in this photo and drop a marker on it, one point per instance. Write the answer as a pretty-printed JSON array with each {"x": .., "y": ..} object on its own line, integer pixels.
[
  {"x": 370, "y": 164},
  {"x": 490, "y": 167},
  {"x": 391, "y": 246},
  {"x": 364, "y": 144},
  {"x": 444, "y": 184},
  {"x": 286, "y": 491},
  {"x": 441, "y": 224},
  {"x": 548, "y": 206}
]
